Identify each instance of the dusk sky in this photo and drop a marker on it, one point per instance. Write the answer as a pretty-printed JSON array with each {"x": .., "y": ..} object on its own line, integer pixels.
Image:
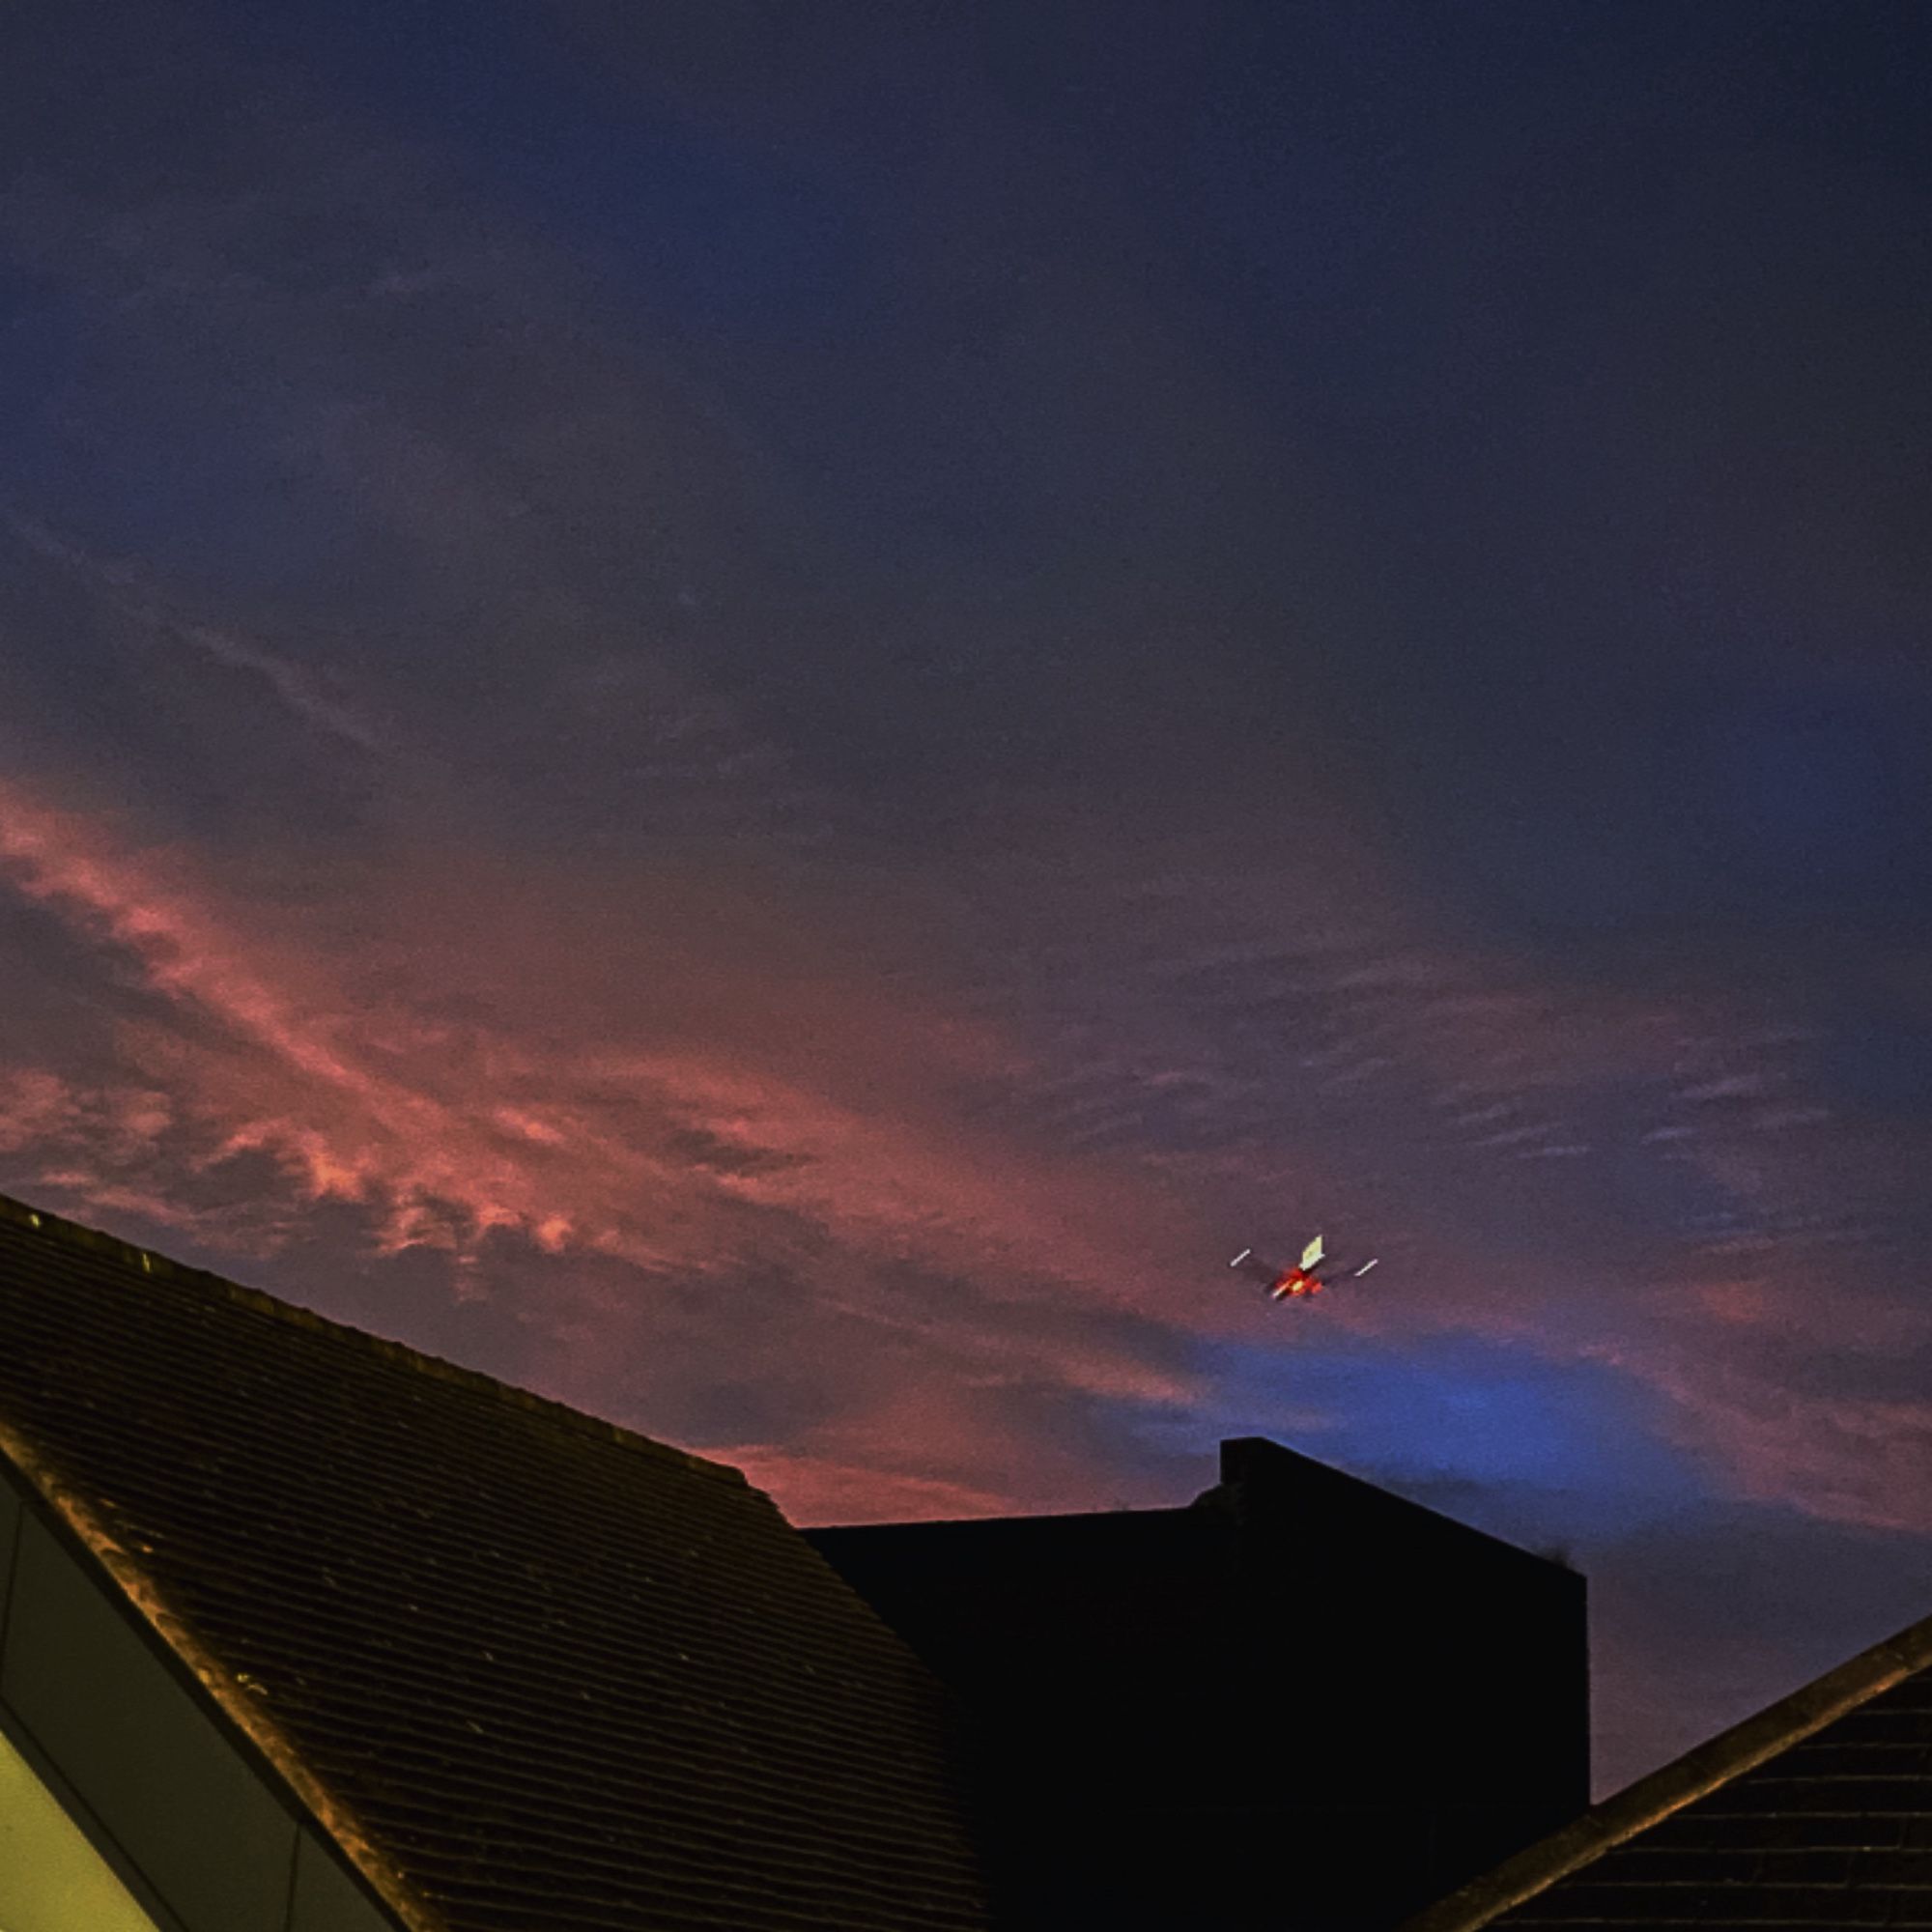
[{"x": 768, "y": 715}]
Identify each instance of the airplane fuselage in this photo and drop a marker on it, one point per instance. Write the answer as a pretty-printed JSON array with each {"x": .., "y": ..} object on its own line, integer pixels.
[{"x": 1294, "y": 1282}]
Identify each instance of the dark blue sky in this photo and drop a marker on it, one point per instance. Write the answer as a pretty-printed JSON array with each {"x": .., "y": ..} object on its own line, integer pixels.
[{"x": 770, "y": 714}]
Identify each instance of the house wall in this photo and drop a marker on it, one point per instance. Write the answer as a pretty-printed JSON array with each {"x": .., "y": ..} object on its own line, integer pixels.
[
  {"x": 197, "y": 1832},
  {"x": 51, "y": 1878}
]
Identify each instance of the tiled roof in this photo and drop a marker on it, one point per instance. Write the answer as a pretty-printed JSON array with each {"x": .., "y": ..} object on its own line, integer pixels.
[
  {"x": 1817, "y": 1812},
  {"x": 529, "y": 1669}
]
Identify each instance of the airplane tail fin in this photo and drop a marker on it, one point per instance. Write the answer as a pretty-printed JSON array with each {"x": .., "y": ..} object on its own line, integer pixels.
[{"x": 1311, "y": 1255}]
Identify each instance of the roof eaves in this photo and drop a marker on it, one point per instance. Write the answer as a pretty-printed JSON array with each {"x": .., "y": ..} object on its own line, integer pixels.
[
  {"x": 1696, "y": 1775},
  {"x": 243, "y": 1712}
]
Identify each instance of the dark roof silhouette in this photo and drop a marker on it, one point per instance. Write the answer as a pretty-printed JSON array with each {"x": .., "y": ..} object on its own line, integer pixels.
[
  {"x": 524, "y": 1666},
  {"x": 1816, "y": 1812},
  {"x": 1298, "y": 1695}
]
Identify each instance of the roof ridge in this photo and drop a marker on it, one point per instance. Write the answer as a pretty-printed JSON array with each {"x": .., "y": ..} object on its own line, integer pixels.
[
  {"x": 1699, "y": 1772},
  {"x": 75, "y": 1234},
  {"x": 1056, "y": 1518}
]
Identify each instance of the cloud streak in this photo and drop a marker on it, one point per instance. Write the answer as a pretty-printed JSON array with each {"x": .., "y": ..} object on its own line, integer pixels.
[{"x": 296, "y": 689}]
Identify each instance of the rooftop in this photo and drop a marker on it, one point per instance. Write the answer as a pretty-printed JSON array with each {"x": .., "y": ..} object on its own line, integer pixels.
[
  {"x": 1817, "y": 1811},
  {"x": 509, "y": 1655}
]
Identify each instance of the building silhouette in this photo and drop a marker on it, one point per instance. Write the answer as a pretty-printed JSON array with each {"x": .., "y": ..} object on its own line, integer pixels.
[
  {"x": 1297, "y": 1688},
  {"x": 302, "y": 1630}
]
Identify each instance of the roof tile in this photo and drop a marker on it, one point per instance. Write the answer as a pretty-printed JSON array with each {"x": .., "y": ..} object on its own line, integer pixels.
[
  {"x": 532, "y": 1667},
  {"x": 1817, "y": 1812}
]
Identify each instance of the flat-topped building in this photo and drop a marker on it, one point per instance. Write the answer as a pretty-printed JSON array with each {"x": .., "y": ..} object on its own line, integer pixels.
[{"x": 1299, "y": 1686}]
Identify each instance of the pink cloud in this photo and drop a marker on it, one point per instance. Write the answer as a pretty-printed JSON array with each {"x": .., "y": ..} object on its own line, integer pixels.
[
  {"x": 690, "y": 1080},
  {"x": 455, "y": 1090}
]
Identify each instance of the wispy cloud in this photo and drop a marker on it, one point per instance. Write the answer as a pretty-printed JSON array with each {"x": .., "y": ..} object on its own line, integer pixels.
[
  {"x": 297, "y": 688},
  {"x": 456, "y": 1113},
  {"x": 504, "y": 848}
]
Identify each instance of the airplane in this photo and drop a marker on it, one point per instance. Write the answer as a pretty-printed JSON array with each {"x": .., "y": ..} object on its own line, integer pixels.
[{"x": 1313, "y": 1272}]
